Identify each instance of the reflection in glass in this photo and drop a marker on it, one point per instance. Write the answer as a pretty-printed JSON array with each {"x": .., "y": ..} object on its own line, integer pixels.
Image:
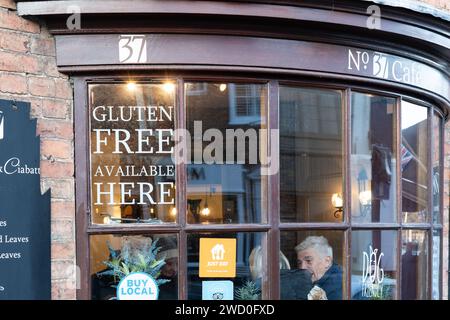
[
  {"x": 414, "y": 162},
  {"x": 374, "y": 260},
  {"x": 414, "y": 264},
  {"x": 247, "y": 284},
  {"x": 437, "y": 144},
  {"x": 436, "y": 266},
  {"x": 115, "y": 256},
  {"x": 224, "y": 177},
  {"x": 132, "y": 173},
  {"x": 338, "y": 202},
  {"x": 321, "y": 254},
  {"x": 310, "y": 154},
  {"x": 373, "y": 164}
]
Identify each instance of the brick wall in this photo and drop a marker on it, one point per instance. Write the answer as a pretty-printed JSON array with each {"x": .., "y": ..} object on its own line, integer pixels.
[{"x": 28, "y": 73}]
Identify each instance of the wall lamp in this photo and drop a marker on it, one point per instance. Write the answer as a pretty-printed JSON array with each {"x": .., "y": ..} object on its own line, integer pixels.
[{"x": 338, "y": 203}]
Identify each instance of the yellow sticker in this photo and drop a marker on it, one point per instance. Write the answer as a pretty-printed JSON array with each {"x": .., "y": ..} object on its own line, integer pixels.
[{"x": 217, "y": 258}]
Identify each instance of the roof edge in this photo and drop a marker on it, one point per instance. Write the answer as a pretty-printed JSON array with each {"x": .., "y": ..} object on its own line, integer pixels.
[{"x": 416, "y": 6}]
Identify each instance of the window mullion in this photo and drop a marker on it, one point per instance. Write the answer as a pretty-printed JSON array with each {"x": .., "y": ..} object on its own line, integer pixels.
[
  {"x": 82, "y": 198},
  {"x": 441, "y": 206},
  {"x": 181, "y": 181},
  {"x": 431, "y": 146},
  {"x": 273, "y": 256},
  {"x": 398, "y": 142},
  {"x": 347, "y": 217}
]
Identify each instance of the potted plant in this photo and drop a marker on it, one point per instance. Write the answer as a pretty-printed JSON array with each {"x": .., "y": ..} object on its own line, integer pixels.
[
  {"x": 249, "y": 291},
  {"x": 126, "y": 261}
]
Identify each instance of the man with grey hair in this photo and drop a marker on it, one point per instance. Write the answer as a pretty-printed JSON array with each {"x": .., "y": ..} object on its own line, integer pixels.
[{"x": 316, "y": 255}]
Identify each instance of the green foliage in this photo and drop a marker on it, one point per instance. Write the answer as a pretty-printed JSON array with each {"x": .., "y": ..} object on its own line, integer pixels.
[
  {"x": 249, "y": 291},
  {"x": 126, "y": 262},
  {"x": 388, "y": 293}
]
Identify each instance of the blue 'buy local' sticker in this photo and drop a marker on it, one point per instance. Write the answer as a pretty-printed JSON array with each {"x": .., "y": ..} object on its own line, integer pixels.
[{"x": 137, "y": 286}]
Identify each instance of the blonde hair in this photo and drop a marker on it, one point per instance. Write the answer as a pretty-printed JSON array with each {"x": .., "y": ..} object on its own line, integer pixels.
[{"x": 256, "y": 262}]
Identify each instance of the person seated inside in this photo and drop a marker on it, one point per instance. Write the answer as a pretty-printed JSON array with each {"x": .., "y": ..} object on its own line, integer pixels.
[
  {"x": 168, "y": 252},
  {"x": 316, "y": 255},
  {"x": 295, "y": 284}
]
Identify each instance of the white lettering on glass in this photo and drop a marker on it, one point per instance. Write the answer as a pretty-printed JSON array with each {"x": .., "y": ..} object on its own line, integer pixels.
[{"x": 373, "y": 274}]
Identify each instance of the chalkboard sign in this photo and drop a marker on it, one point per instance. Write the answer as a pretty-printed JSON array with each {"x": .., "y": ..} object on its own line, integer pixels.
[{"x": 24, "y": 211}]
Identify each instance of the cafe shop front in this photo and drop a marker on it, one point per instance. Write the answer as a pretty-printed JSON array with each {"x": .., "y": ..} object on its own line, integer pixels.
[{"x": 217, "y": 142}]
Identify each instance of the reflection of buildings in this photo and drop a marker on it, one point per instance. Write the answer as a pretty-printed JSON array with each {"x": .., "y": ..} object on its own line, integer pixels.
[
  {"x": 310, "y": 154},
  {"x": 373, "y": 164},
  {"x": 414, "y": 174},
  {"x": 310, "y": 163},
  {"x": 231, "y": 193},
  {"x": 232, "y": 196},
  {"x": 414, "y": 264}
]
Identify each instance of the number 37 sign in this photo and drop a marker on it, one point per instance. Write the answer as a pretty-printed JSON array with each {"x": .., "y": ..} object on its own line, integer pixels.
[{"x": 132, "y": 48}]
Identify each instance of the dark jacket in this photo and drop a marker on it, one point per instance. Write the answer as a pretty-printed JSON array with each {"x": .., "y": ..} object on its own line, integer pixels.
[
  {"x": 168, "y": 290},
  {"x": 331, "y": 282},
  {"x": 295, "y": 284}
]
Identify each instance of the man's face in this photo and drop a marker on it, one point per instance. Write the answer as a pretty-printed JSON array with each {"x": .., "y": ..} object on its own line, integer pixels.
[
  {"x": 170, "y": 269},
  {"x": 311, "y": 260}
]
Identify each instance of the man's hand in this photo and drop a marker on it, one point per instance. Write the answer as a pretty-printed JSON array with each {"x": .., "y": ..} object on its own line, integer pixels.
[{"x": 317, "y": 293}]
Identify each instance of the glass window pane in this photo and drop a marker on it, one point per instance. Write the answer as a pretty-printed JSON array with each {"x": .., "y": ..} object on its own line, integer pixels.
[
  {"x": 132, "y": 173},
  {"x": 436, "y": 266},
  {"x": 224, "y": 179},
  {"x": 226, "y": 266},
  {"x": 373, "y": 164},
  {"x": 115, "y": 256},
  {"x": 312, "y": 264},
  {"x": 414, "y": 264},
  {"x": 374, "y": 263},
  {"x": 310, "y": 154},
  {"x": 437, "y": 145},
  {"x": 414, "y": 162}
]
